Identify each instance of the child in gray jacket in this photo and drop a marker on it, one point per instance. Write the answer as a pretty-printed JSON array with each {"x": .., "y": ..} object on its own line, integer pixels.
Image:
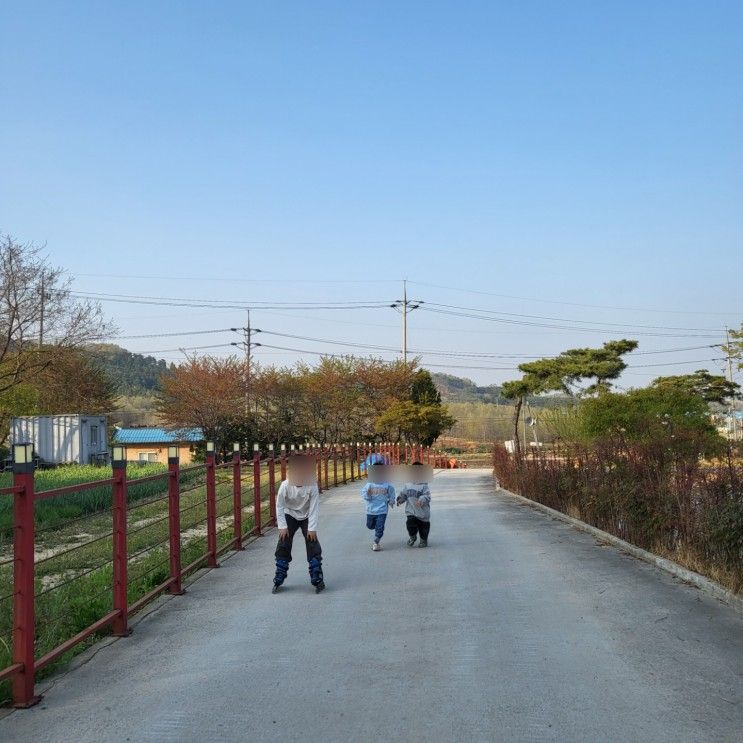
[{"x": 417, "y": 499}]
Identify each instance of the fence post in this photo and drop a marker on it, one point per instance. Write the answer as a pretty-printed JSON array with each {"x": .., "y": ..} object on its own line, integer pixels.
[
  {"x": 24, "y": 618},
  {"x": 319, "y": 474},
  {"x": 343, "y": 454},
  {"x": 237, "y": 496},
  {"x": 335, "y": 465},
  {"x": 272, "y": 485},
  {"x": 257, "y": 489},
  {"x": 174, "y": 519},
  {"x": 119, "y": 492},
  {"x": 325, "y": 454},
  {"x": 283, "y": 461},
  {"x": 211, "y": 506}
]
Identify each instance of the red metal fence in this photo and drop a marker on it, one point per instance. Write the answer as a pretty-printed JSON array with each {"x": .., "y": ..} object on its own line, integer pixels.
[{"x": 230, "y": 517}]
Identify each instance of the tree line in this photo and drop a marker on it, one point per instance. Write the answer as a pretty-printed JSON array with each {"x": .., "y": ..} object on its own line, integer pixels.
[{"x": 338, "y": 400}]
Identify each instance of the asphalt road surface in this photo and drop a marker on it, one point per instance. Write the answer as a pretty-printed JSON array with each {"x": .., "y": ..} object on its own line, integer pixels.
[{"x": 511, "y": 626}]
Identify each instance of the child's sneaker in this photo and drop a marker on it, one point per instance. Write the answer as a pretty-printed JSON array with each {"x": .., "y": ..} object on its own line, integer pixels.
[
  {"x": 423, "y": 543},
  {"x": 376, "y": 547},
  {"x": 275, "y": 588},
  {"x": 411, "y": 541},
  {"x": 320, "y": 587}
]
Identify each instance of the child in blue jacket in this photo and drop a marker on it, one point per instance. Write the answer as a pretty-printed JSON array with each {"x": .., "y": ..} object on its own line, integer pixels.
[{"x": 379, "y": 497}]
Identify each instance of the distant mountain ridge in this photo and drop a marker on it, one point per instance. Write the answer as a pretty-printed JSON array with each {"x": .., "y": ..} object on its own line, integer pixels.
[{"x": 461, "y": 389}]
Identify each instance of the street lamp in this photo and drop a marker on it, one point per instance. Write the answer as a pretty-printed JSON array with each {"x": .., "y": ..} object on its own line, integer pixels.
[{"x": 23, "y": 457}]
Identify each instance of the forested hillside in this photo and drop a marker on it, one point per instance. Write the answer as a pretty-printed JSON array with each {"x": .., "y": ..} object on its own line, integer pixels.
[
  {"x": 131, "y": 373},
  {"x": 459, "y": 389}
]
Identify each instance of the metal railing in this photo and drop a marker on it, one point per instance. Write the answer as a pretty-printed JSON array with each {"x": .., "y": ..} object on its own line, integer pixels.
[{"x": 227, "y": 513}]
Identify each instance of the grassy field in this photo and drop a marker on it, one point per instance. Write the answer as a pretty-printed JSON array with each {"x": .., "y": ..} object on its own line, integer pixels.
[
  {"x": 74, "y": 546},
  {"x": 59, "y": 510}
]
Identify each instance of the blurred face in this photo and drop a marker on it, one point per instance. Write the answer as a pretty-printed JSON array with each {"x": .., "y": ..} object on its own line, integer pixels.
[
  {"x": 301, "y": 471},
  {"x": 380, "y": 473},
  {"x": 419, "y": 473},
  {"x": 400, "y": 473}
]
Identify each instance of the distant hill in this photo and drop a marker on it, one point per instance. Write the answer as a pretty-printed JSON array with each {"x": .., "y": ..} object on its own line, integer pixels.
[
  {"x": 132, "y": 373},
  {"x": 460, "y": 389}
]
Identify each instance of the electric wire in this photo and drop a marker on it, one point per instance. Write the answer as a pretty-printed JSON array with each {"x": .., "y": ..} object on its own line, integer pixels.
[{"x": 570, "y": 304}]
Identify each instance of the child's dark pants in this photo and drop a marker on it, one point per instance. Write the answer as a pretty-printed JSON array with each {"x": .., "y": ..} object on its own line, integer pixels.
[
  {"x": 418, "y": 526},
  {"x": 376, "y": 522},
  {"x": 284, "y": 552}
]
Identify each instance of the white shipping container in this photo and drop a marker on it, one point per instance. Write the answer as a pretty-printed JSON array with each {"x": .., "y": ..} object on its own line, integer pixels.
[{"x": 63, "y": 439}]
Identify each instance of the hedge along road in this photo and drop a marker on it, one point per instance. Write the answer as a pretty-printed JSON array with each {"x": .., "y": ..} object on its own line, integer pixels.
[{"x": 511, "y": 626}]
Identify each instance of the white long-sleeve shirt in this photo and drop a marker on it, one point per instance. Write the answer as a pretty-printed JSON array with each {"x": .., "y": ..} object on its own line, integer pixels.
[{"x": 298, "y": 501}]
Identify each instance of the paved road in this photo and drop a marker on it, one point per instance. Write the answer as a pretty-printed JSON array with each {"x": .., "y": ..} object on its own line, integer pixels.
[{"x": 511, "y": 627}]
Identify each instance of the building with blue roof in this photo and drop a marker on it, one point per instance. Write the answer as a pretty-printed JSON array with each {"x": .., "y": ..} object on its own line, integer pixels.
[{"x": 144, "y": 445}]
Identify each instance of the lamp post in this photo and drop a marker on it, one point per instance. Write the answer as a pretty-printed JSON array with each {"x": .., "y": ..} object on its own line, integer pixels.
[
  {"x": 271, "y": 484},
  {"x": 23, "y": 576},
  {"x": 237, "y": 509},
  {"x": 174, "y": 518},
  {"x": 211, "y": 505},
  {"x": 257, "y": 489},
  {"x": 120, "y": 578}
]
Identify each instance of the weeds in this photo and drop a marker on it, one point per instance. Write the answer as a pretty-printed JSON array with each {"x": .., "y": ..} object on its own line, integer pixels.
[{"x": 678, "y": 506}]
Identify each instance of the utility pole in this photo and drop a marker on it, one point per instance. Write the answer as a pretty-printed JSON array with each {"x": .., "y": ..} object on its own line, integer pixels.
[
  {"x": 41, "y": 314},
  {"x": 247, "y": 336},
  {"x": 729, "y": 354},
  {"x": 247, "y": 345},
  {"x": 405, "y": 321},
  {"x": 731, "y": 413},
  {"x": 403, "y": 306}
]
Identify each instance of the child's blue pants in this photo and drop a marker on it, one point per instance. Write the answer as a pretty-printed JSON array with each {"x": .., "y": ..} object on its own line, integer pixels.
[{"x": 376, "y": 522}]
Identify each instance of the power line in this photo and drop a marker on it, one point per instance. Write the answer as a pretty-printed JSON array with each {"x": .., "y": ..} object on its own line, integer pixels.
[
  {"x": 231, "y": 304},
  {"x": 571, "y": 304},
  {"x": 569, "y": 320},
  {"x": 171, "y": 335},
  {"x": 236, "y": 280},
  {"x": 367, "y": 346},
  {"x": 564, "y": 327},
  {"x": 459, "y": 354},
  {"x": 427, "y": 365}
]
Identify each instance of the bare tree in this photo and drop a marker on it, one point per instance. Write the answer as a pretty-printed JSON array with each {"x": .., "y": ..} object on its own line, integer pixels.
[{"x": 39, "y": 315}]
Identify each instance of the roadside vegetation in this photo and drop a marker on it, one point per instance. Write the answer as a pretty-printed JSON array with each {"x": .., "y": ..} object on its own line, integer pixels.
[{"x": 646, "y": 465}]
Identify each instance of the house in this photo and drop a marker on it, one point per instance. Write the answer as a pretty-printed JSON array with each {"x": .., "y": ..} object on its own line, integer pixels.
[
  {"x": 63, "y": 439},
  {"x": 151, "y": 444}
]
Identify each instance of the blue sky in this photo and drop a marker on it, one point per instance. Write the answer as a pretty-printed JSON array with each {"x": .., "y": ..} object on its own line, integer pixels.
[{"x": 580, "y": 161}]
